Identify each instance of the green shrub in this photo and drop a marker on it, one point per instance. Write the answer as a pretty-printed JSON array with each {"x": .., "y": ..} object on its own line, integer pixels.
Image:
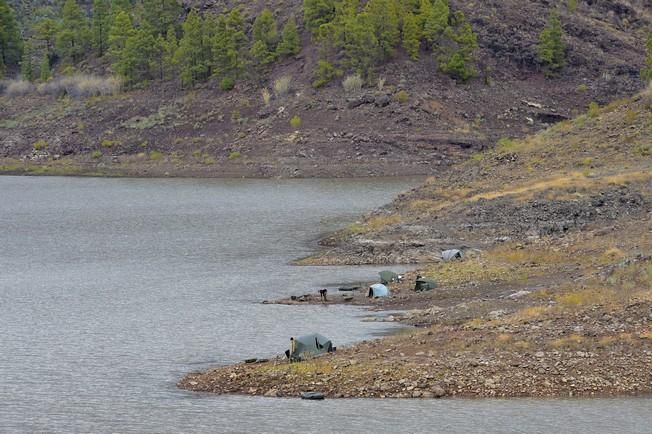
[
  {"x": 594, "y": 110},
  {"x": 324, "y": 73},
  {"x": 156, "y": 156},
  {"x": 227, "y": 84},
  {"x": 506, "y": 145},
  {"x": 68, "y": 70},
  {"x": 572, "y": 5},
  {"x": 643, "y": 150},
  {"x": 582, "y": 88},
  {"x": 646, "y": 72},
  {"x": 234, "y": 154},
  {"x": 106, "y": 143},
  {"x": 402, "y": 96},
  {"x": 40, "y": 145},
  {"x": 96, "y": 154},
  {"x": 295, "y": 122}
]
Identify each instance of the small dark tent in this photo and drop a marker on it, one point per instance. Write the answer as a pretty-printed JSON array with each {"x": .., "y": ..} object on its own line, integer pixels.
[
  {"x": 423, "y": 284},
  {"x": 308, "y": 346}
]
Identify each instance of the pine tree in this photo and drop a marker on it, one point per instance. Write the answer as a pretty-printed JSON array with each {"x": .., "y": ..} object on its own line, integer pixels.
[
  {"x": 360, "y": 46},
  {"x": 100, "y": 25},
  {"x": 324, "y": 73},
  {"x": 26, "y": 65},
  {"x": 161, "y": 14},
  {"x": 120, "y": 30},
  {"x": 265, "y": 38},
  {"x": 290, "y": 43},
  {"x": 457, "y": 55},
  {"x": 138, "y": 58},
  {"x": 411, "y": 35},
  {"x": 192, "y": 54},
  {"x": 434, "y": 20},
  {"x": 229, "y": 45},
  {"x": 10, "y": 42},
  {"x": 646, "y": 72},
  {"x": 45, "y": 31},
  {"x": 410, "y": 6},
  {"x": 167, "y": 48},
  {"x": 318, "y": 12},
  {"x": 551, "y": 48},
  {"x": 120, "y": 6},
  {"x": 44, "y": 68},
  {"x": 383, "y": 17},
  {"x": 73, "y": 36}
]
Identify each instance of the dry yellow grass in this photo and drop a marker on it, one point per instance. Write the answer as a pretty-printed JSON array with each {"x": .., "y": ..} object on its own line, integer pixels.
[
  {"x": 585, "y": 297},
  {"x": 475, "y": 269},
  {"x": 504, "y": 338},
  {"x": 509, "y": 253},
  {"x": 373, "y": 224},
  {"x": 529, "y": 313},
  {"x": 572, "y": 179},
  {"x": 571, "y": 341},
  {"x": 646, "y": 335}
]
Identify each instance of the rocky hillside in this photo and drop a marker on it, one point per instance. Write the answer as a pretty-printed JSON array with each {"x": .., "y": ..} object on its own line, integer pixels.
[
  {"x": 416, "y": 122},
  {"x": 591, "y": 173}
]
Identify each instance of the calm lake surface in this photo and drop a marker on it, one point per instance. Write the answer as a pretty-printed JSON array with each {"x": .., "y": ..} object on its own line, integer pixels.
[{"x": 112, "y": 289}]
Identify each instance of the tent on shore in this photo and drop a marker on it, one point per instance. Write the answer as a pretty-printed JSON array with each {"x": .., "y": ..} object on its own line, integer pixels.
[
  {"x": 423, "y": 284},
  {"x": 449, "y": 255},
  {"x": 308, "y": 346},
  {"x": 378, "y": 290}
]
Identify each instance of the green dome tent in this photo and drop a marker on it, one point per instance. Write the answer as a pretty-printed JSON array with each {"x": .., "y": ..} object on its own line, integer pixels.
[
  {"x": 308, "y": 346},
  {"x": 423, "y": 284}
]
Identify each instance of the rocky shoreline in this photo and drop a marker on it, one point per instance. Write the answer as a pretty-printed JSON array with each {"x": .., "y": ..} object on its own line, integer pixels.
[
  {"x": 441, "y": 361},
  {"x": 482, "y": 341}
]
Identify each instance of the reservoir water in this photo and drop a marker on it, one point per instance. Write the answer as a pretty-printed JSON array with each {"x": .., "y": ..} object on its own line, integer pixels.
[{"x": 112, "y": 289}]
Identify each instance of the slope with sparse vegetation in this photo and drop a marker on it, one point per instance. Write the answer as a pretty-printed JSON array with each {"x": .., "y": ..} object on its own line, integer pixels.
[{"x": 381, "y": 87}]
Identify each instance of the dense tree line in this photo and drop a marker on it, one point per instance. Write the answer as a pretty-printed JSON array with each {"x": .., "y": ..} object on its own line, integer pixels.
[
  {"x": 147, "y": 40},
  {"x": 359, "y": 36}
]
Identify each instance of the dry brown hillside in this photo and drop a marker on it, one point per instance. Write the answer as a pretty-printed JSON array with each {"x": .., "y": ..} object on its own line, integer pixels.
[
  {"x": 435, "y": 121},
  {"x": 589, "y": 174}
]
